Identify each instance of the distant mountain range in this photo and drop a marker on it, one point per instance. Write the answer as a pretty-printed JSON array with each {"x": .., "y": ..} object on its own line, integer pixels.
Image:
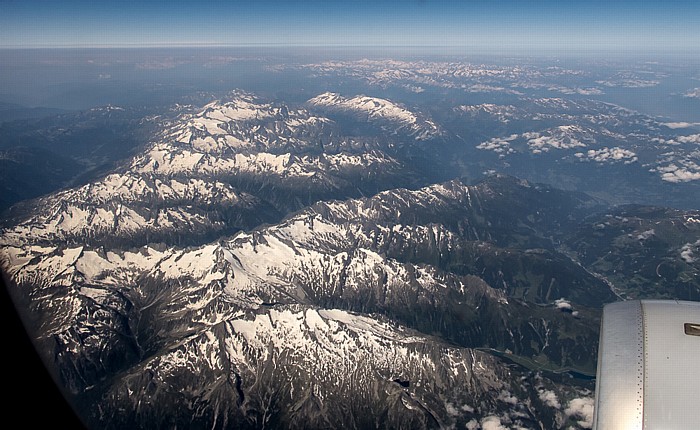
[{"x": 257, "y": 263}]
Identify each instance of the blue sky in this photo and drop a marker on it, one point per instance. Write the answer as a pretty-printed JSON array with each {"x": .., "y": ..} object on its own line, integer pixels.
[{"x": 528, "y": 25}]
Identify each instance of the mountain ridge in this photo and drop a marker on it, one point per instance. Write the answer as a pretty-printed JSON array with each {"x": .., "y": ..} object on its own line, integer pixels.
[{"x": 201, "y": 275}]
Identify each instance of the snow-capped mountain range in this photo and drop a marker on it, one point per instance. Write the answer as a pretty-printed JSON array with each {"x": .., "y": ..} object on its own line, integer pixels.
[
  {"x": 254, "y": 265},
  {"x": 273, "y": 312}
]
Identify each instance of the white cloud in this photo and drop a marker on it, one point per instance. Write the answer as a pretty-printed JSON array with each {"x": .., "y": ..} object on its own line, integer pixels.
[
  {"x": 483, "y": 88},
  {"x": 687, "y": 254},
  {"x": 675, "y": 125},
  {"x": 645, "y": 234},
  {"x": 678, "y": 140},
  {"x": 629, "y": 83},
  {"x": 550, "y": 398},
  {"x": 694, "y": 93},
  {"x": 561, "y": 137},
  {"x": 451, "y": 410},
  {"x": 467, "y": 408},
  {"x": 576, "y": 90},
  {"x": 492, "y": 423},
  {"x": 506, "y": 397},
  {"x": 498, "y": 144},
  {"x": 582, "y": 409},
  {"x": 629, "y": 79},
  {"x": 563, "y": 304},
  {"x": 678, "y": 167},
  {"x": 688, "y": 251},
  {"x": 609, "y": 155},
  {"x": 692, "y": 138},
  {"x": 676, "y": 174},
  {"x": 161, "y": 64},
  {"x": 472, "y": 424}
]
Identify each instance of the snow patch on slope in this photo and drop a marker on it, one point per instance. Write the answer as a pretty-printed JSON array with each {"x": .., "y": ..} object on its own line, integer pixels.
[{"x": 377, "y": 109}]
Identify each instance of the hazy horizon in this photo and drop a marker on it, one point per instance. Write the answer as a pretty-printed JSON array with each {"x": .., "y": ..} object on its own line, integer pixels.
[{"x": 503, "y": 26}]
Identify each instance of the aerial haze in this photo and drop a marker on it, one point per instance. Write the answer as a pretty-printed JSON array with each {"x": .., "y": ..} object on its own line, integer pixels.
[
  {"x": 341, "y": 214},
  {"x": 504, "y": 26}
]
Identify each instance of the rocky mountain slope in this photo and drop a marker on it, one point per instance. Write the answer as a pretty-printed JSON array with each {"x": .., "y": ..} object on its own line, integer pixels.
[
  {"x": 252, "y": 266},
  {"x": 308, "y": 288}
]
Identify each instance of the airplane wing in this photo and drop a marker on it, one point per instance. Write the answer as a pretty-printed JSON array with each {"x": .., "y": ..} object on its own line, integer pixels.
[{"x": 648, "y": 374}]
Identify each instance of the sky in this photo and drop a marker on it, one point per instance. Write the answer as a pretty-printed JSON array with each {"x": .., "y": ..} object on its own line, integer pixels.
[{"x": 524, "y": 24}]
